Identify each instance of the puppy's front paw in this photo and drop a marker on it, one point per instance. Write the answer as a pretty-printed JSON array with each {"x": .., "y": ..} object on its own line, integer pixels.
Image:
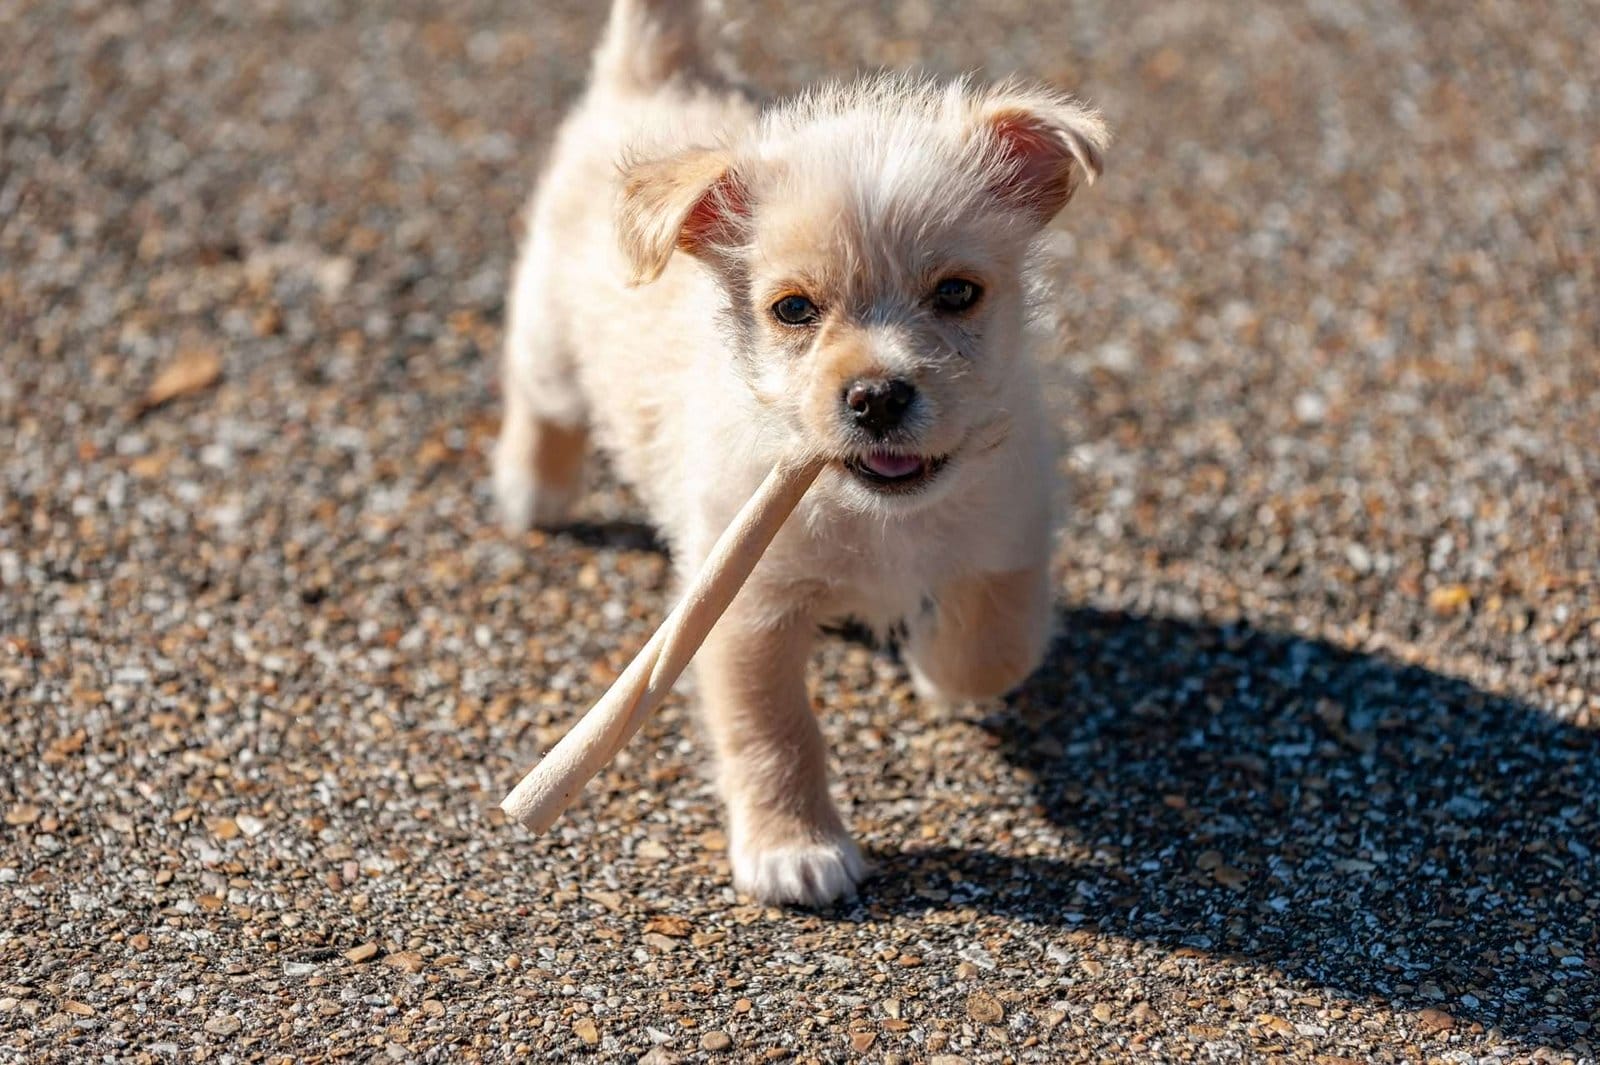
[
  {"x": 928, "y": 690},
  {"x": 798, "y": 868}
]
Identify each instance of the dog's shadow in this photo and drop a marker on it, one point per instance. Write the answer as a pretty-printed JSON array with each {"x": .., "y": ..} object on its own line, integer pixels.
[
  {"x": 1363, "y": 826},
  {"x": 614, "y": 534}
]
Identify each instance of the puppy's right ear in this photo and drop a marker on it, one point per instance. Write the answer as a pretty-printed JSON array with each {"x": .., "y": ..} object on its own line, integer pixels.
[{"x": 692, "y": 201}]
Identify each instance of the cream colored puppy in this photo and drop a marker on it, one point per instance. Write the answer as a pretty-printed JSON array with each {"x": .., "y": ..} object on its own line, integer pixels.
[{"x": 707, "y": 285}]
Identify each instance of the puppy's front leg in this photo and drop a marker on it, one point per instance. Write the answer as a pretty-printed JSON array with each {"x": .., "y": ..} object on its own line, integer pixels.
[
  {"x": 983, "y": 637},
  {"x": 786, "y": 841}
]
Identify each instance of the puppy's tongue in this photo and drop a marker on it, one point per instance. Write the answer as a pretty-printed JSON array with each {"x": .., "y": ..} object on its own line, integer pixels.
[{"x": 888, "y": 464}]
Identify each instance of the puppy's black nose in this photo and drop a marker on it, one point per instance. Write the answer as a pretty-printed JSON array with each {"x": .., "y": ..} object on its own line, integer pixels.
[{"x": 878, "y": 405}]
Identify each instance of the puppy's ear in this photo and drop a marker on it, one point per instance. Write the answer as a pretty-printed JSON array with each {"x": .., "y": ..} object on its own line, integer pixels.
[
  {"x": 1042, "y": 143},
  {"x": 691, "y": 201}
]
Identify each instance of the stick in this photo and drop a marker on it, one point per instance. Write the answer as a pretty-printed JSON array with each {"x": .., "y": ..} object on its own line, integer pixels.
[{"x": 552, "y": 785}]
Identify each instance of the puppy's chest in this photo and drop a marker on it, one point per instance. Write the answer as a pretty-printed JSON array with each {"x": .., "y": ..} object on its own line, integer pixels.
[{"x": 880, "y": 585}]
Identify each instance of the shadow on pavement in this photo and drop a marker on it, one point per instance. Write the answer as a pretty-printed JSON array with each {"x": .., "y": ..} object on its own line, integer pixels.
[
  {"x": 614, "y": 535},
  {"x": 1368, "y": 827}
]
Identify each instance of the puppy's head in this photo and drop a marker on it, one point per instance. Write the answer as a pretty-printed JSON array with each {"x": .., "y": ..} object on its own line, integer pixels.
[{"x": 872, "y": 241}]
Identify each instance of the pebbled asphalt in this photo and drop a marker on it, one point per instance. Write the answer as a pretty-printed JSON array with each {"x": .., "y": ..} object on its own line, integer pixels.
[{"x": 1312, "y": 773}]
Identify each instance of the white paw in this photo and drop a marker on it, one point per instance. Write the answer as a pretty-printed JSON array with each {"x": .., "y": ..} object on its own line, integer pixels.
[
  {"x": 807, "y": 874},
  {"x": 523, "y": 501},
  {"x": 928, "y": 690}
]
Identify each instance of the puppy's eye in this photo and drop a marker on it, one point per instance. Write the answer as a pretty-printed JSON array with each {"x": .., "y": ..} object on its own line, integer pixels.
[
  {"x": 796, "y": 310},
  {"x": 955, "y": 294}
]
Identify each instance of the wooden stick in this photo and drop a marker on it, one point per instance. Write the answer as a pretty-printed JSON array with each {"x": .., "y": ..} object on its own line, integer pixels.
[{"x": 552, "y": 785}]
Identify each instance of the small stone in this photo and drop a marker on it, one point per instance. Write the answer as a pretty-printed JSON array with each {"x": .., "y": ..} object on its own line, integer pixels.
[
  {"x": 1310, "y": 408},
  {"x": 659, "y": 1056},
  {"x": 22, "y": 814},
  {"x": 666, "y": 925},
  {"x": 362, "y": 954},
  {"x": 861, "y": 1042},
  {"x": 1102, "y": 1012},
  {"x": 191, "y": 371},
  {"x": 1435, "y": 1020},
  {"x": 139, "y": 942},
  {"x": 406, "y": 961},
  {"x": 224, "y": 828},
  {"x": 146, "y": 467},
  {"x": 77, "y": 1009},
  {"x": 585, "y": 1029},
  {"x": 984, "y": 1008},
  {"x": 1229, "y": 876},
  {"x": 1448, "y": 600},
  {"x": 611, "y": 900},
  {"x": 224, "y": 1024},
  {"x": 716, "y": 1042},
  {"x": 267, "y": 322},
  {"x": 948, "y": 1059}
]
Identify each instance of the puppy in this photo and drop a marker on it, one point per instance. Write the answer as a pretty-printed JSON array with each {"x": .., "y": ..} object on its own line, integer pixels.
[{"x": 708, "y": 285}]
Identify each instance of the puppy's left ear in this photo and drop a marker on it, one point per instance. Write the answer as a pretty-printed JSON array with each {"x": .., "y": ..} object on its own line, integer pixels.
[
  {"x": 1042, "y": 144},
  {"x": 692, "y": 202}
]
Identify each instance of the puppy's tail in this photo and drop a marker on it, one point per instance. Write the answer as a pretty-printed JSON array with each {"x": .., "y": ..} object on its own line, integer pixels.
[{"x": 649, "y": 43}]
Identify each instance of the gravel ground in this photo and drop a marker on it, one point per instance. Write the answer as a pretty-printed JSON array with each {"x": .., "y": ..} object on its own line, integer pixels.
[{"x": 1313, "y": 771}]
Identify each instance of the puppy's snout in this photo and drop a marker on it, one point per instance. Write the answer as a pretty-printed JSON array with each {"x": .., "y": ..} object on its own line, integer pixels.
[{"x": 879, "y": 405}]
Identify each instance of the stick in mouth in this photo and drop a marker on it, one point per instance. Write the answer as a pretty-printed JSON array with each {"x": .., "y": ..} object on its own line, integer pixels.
[{"x": 552, "y": 785}]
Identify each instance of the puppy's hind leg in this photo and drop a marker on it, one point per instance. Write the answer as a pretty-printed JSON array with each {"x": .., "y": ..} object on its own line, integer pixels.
[
  {"x": 538, "y": 465},
  {"x": 538, "y": 460}
]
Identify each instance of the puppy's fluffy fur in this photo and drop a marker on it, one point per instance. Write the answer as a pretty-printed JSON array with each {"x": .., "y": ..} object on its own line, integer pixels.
[{"x": 675, "y": 217}]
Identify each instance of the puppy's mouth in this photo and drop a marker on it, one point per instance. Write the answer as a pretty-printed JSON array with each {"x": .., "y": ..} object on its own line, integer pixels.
[{"x": 894, "y": 473}]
